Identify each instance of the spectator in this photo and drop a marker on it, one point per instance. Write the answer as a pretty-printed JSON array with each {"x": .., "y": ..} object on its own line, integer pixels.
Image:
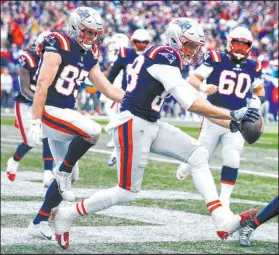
[{"x": 6, "y": 87}]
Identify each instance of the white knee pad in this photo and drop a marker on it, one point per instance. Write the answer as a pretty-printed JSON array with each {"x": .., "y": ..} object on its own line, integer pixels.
[
  {"x": 198, "y": 159},
  {"x": 231, "y": 158}
]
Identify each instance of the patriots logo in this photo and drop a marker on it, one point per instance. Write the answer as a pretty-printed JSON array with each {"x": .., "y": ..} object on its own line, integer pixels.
[
  {"x": 22, "y": 61},
  {"x": 50, "y": 40},
  {"x": 83, "y": 14},
  {"x": 170, "y": 57},
  {"x": 185, "y": 26}
]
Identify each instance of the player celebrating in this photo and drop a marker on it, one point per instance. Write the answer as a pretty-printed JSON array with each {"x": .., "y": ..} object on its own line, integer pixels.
[
  {"x": 23, "y": 110},
  {"x": 235, "y": 75},
  {"x": 137, "y": 130},
  {"x": 140, "y": 40},
  {"x": 66, "y": 60}
]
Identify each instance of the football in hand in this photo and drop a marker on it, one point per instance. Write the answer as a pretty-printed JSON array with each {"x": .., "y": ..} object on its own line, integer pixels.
[{"x": 251, "y": 132}]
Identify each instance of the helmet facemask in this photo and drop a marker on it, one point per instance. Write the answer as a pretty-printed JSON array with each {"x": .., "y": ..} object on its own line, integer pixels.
[
  {"x": 140, "y": 46},
  {"x": 191, "y": 52},
  {"x": 239, "y": 48},
  {"x": 87, "y": 37}
]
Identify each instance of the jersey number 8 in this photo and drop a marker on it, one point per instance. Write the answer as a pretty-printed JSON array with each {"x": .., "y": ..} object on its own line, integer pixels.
[
  {"x": 72, "y": 76},
  {"x": 227, "y": 84}
]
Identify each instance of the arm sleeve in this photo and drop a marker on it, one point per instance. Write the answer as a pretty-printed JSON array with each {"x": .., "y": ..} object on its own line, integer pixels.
[
  {"x": 204, "y": 71},
  {"x": 115, "y": 70},
  {"x": 162, "y": 74},
  {"x": 180, "y": 89}
]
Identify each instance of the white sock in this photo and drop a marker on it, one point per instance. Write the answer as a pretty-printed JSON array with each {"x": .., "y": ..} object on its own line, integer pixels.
[
  {"x": 113, "y": 154},
  {"x": 225, "y": 194},
  {"x": 205, "y": 184}
]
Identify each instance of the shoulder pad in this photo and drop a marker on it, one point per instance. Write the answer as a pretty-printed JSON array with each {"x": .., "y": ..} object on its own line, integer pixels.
[
  {"x": 56, "y": 41},
  {"x": 211, "y": 57},
  {"x": 27, "y": 60},
  {"x": 165, "y": 55},
  {"x": 123, "y": 52}
]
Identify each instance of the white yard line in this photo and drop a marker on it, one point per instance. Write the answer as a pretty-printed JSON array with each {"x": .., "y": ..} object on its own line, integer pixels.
[
  {"x": 169, "y": 226},
  {"x": 23, "y": 186},
  {"x": 164, "y": 160}
]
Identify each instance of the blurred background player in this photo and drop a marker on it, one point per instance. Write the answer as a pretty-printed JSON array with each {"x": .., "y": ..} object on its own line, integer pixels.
[
  {"x": 67, "y": 59},
  {"x": 23, "y": 109},
  {"x": 137, "y": 130},
  {"x": 115, "y": 43},
  {"x": 235, "y": 75},
  {"x": 269, "y": 212},
  {"x": 140, "y": 41}
]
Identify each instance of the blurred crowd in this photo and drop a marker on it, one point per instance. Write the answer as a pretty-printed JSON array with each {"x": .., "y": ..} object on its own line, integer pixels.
[{"x": 21, "y": 22}]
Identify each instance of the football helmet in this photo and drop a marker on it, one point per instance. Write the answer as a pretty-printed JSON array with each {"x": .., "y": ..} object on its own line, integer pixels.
[
  {"x": 187, "y": 37},
  {"x": 115, "y": 43},
  {"x": 140, "y": 40},
  {"x": 85, "y": 25},
  {"x": 39, "y": 41},
  {"x": 239, "y": 43}
]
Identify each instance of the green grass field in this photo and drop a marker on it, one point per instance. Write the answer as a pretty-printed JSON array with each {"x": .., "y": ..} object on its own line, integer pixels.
[{"x": 94, "y": 173}]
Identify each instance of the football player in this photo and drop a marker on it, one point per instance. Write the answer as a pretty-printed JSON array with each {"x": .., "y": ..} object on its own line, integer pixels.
[
  {"x": 137, "y": 130},
  {"x": 269, "y": 212},
  {"x": 67, "y": 59},
  {"x": 23, "y": 110},
  {"x": 236, "y": 77},
  {"x": 140, "y": 41}
]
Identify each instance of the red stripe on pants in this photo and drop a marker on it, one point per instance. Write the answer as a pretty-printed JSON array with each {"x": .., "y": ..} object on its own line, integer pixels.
[
  {"x": 121, "y": 142},
  {"x": 19, "y": 121}
]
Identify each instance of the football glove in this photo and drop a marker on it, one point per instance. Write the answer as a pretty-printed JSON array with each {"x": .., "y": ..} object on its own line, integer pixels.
[
  {"x": 35, "y": 131},
  {"x": 247, "y": 114},
  {"x": 235, "y": 126}
]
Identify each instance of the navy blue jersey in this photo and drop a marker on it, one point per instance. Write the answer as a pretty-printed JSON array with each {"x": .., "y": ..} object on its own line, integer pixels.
[
  {"x": 145, "y": 95},
  {"x": 123, "y": 62},
  {"x": 28, "y": 60},
  {"x": 75, "y": 66},
  {"x": 234, "y": 80}
]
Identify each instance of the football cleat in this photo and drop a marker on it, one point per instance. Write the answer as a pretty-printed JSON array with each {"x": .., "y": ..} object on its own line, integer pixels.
[
  {"x": 234, "y": 224},
  {"x": 112, "y": 161},
  {"x": 75, "y": 173},
  {"x": 41, "y": 231},
  {"x": 244, "y": 235},
  {"x": 182, "y": 171},
  {"x": 64, "y": 181},
  {"x": 62, "y": 225},
  {"x": 12, "y": 166},
  {"x": 48, "y": 178}
]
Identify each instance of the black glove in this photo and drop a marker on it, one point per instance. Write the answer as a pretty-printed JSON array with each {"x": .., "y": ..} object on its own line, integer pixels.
[
  {"x": 248, "y": 114},
  {"x": 235, "y": 126}
]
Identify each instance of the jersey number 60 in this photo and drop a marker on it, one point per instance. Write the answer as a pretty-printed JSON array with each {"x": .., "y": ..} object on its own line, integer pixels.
[{"x": 227, "y": 84}]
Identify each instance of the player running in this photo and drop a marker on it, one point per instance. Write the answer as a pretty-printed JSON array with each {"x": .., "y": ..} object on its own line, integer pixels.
[
  {"x": 236, "y": 77},
  {"x": 137, "y": 130},
  {"x": 66, "y": 60},
  {"x": 23, "y": 109}
]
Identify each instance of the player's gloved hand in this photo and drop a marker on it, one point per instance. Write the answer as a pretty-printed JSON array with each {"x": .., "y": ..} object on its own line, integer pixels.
[
  {"x": 35, "y": 131},
  {"x": 235, "y": 126},
  {"x": 209, "y": 89},
  {"x": 245, "y": 113}
]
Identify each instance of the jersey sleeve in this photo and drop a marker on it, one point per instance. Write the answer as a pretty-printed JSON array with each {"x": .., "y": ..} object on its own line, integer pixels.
[
  {"x": 117, "y": 66},
  {"x": 257, "y": 74},
  {"x": 211, "y": 58},
  {"x": 165, "y": 55},
  {"x": 56, "y": 42},
  {"x": 27, "y": 61}
]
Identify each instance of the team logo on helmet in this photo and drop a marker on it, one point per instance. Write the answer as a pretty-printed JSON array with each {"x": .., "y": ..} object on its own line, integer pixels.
[
  {"x": 83, "y": 14},
  {"x": 185, "y": 26}
]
